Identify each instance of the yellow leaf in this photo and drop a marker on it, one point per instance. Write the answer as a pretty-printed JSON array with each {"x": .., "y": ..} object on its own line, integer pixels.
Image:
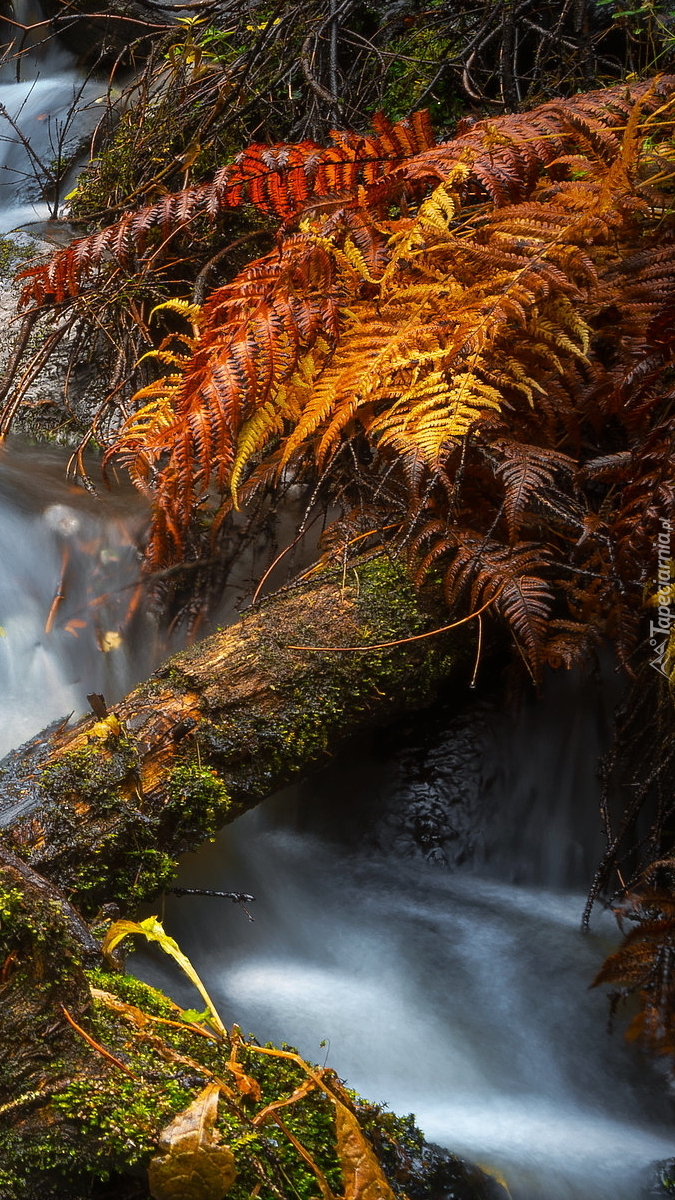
[
  {"x": 109, "y": 725},
  {"x": 110, "y": 640},
  {"x": 154, "y": 931},
  {"x": 193, "y": 1166}
]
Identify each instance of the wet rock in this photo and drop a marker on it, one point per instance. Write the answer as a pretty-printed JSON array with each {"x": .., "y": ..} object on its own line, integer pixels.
[{"x": 101, "y": 39}]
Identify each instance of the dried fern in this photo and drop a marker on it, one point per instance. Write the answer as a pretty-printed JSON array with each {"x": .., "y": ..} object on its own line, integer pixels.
[{"x": 441, "y": 335}]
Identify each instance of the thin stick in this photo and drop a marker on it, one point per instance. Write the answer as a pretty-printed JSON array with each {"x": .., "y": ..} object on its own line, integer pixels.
[
  {"x": 480, "y": 642},
  {"x": 400, "y": 641},
  {"x": 279, "y": 557},
  {"x": 95, "y": 1045}
]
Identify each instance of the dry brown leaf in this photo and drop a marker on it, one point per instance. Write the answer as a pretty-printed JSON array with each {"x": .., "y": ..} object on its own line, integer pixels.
[
  {"x": 193, "y": 1166},
  {"x": 362, "y": 1175},
  {"x": 246, "y": 1086}
]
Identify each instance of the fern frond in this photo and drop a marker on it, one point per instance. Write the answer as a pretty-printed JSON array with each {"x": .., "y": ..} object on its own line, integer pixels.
[
  {"x": 527, "y": 471},
  {"x": 522, "y": 596},
  {"x": 191, "y": 312},
  {"x": 433, "y": 413}
]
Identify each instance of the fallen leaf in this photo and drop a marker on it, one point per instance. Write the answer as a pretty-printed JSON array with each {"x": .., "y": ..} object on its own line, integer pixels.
[
  {"x": 154, "y": 931},
  {"x": 362, "y": 1175},
  {"x": 193, "y": 1166},
  {"x": 246, "y": 1085},
  {"x": 103, "y": 729}
]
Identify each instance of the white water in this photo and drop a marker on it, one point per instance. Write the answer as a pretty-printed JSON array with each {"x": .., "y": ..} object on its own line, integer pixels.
[
  {"x": 43, "y": 102},
  {"x": 58, "y": 539},
  {"x": 456, "y": 988},
  {"x": 459, "y": 995}
]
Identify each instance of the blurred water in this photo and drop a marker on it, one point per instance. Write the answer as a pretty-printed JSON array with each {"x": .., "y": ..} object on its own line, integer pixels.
[
  {"x": 417, "y": 906},
  {"x": 448, "y": 977},
  {"x": 71, "y": 617},
  {"x": 47, "y": 111}
]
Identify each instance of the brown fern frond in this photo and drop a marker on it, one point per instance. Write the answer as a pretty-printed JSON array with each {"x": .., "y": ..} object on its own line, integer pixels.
[
  {"x": 475, "y": 336},
  {"x": 486, "y": 569},
  {"x": 504, "y": 157},
  {"x": 278, "y": 180},
  {"x": 527, "y": 471},
  {"x": 644, "y": 965}
]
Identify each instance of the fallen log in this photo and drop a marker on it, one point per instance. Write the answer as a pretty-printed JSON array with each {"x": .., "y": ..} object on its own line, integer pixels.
[{"x": 104, "y": 808}]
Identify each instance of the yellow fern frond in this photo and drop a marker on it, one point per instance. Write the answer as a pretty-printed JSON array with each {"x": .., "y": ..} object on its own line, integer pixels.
[
  {"x": 149, "y": 419},
  {"x": 433, "y": 414},
  {"x": 554, "y": 333},
  {"x": 192, "y": 312},
  {"x": 282, "y": 411},
  {"x": 265, "y": 424},
  {"x": 164, "y": 387},
  {"x": 168, "y": 357},
  {"x": 436, "y": 213},
  {"x": 570, "y": 318}
]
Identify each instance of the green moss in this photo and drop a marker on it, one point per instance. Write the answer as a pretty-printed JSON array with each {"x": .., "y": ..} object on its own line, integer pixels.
[
  {"x": 22, "y": 926},
  {"x": 120, "y": 866},
  {"x": 11, "y": 903},
  {"x": 133, "y": 991},
  {"x": 255, "y": 750},
  {"x": 106, "y": 1126},
  {"x": 91, "y": 775},
  {"x": 140, "y": 873},
  {"x": 202, "y": 798},
  {"x": 122, "y": 1122},
  {"x": 12, "y": 254}
]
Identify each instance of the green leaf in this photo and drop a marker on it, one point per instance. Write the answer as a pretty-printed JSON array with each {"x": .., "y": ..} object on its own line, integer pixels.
[{"x": 192, "y": 1017}]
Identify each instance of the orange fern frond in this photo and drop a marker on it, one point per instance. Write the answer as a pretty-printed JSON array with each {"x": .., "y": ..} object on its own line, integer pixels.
[{"x": 254, "y": 333}]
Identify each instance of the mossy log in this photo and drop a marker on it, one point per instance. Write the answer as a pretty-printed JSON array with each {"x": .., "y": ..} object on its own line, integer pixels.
[
  {"x": 97, "y": 813},
  {"x": 103, "y": 809}
]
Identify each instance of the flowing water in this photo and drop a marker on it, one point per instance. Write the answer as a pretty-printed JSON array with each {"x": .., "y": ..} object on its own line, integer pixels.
[
  {"x": 417, "y": 926},
  {"x": 47, "y": 112},
  {"x": 70, "y": 620},
  {"x": 418, "y": 902}
]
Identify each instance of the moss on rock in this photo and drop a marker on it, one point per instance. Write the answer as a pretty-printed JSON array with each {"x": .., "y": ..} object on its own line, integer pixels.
[{"x": 99, "y": 1129}]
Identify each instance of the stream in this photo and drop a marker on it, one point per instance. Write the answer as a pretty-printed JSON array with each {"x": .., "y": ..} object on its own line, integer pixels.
[
  {"x": 417, "y": 927},
  {"x": 418, "y": 901}
]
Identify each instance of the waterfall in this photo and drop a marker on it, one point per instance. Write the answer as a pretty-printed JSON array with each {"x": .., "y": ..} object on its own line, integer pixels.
[
  {"x": 70, "y": 623},
  {"x": 47, "y": 112},
  {"x": 436, "y": 960}
]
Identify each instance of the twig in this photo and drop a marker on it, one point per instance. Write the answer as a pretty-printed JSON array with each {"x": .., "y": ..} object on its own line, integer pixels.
[
  {"x": 95, "y": 1045},
  {"x": 401, "y": 641},
  {"x": 236, "y": 897}
]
